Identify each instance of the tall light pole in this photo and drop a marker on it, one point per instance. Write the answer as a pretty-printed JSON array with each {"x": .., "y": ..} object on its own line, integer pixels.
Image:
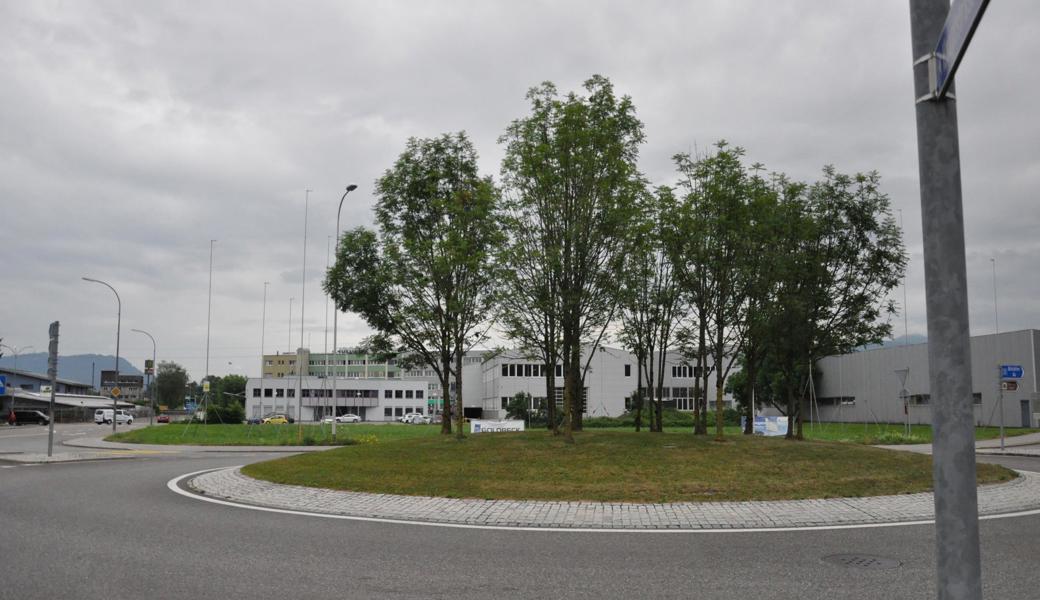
[
  {"x": 335, "y": 312},
  {"x": 16, "y": 352},
  {"x": 328, "y": 246},
  {"x": 303, "y": 309},
  {"x": 119, "y": 321},
  {"x": 209, "y": 311},
  {"x": 1000, "y": 372},
  {"x": 263, "y": 330},
  {"x": 151, "y": 416}
]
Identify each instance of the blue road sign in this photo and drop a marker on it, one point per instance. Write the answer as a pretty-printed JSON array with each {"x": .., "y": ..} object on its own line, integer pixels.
[
  {"x": 1011, "y": 371},
  {"x": 961, "y": 21},
  {"x": 3, "y": 384}
]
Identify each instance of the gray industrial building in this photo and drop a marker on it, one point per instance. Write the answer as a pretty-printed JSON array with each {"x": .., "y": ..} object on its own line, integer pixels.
[{"x": 867, "y": 386}]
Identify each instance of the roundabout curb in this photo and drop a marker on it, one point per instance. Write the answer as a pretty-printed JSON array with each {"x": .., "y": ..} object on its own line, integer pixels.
[{"x": 229, "y": 487}]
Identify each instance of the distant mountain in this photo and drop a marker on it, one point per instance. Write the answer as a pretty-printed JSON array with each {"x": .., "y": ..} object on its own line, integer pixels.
[{"x": 76, "y": 367}]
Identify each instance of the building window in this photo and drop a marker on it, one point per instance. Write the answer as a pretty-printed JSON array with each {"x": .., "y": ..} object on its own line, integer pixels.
[
  {"x": 388, "y": 411},
  {"x": 279, "y": 393},
  {"x": 559, "y": 370},
  {"x": 398, "y": 394},
  {"x": 408, "y": 394},
  {"x": 305, "y": 393},
  {"x": 267, "y": 392},
  {"x": 628, "y": 370},
  {"x": 505, "y": 370},
  {"x": 505, "y": 402},
  {"x": 388, "y": 393},
  {"x": 512, "y": 370},
  {"x": 290, "y": 393},
  {"x": 398, "y": 411},
  {"x": 418, "y": 394},
  {"x": 256, "y": 392}
]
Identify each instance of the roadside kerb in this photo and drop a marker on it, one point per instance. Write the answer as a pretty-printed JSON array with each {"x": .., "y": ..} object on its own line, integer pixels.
[
  {"x": 99, "y": 443},
  {"x": 1021, "y": 494}
]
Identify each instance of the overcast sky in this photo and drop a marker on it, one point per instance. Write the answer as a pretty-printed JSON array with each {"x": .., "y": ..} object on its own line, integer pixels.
[{"x": 132, "y": 133}]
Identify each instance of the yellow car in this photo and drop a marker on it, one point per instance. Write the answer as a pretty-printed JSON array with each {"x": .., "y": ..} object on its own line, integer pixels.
[{"x": 276, "y": 420}]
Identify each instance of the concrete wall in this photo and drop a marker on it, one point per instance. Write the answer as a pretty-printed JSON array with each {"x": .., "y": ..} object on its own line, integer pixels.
[{"x": 869, "y": 377}]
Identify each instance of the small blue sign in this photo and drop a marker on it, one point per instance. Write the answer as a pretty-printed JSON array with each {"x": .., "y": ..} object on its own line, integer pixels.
[
  {"x": 3, "y": 384},
  {"x": 190, "y": 406},
  {"x": 1011, "y": 371}
]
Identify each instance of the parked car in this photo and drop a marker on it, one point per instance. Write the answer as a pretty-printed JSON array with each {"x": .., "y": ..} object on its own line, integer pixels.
[
  {"x": 275, "y": 420},
  {"x": 162, "y": 419},
  {"x": 254, "y": 421},
  {"x": 347, "y": 418},
  {"x": 104, "y": 415},
  {"x": 23, "y": 417},
  {"x": 415, "y": 418}
]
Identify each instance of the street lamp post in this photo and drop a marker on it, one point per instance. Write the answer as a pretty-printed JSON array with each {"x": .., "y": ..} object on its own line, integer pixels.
[
  {"x": 119, "y": 321},
  {"x": 16, "y": 352},
  {"x": 151, "y": 415},
  {"x": 335, "y": 315}
]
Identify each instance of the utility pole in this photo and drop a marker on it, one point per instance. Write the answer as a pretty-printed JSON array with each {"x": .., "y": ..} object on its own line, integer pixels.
[
  {"x": 209, "y": 310},
  {"x": 938, "y": 43},
  {"x": 303, "y": 306}
]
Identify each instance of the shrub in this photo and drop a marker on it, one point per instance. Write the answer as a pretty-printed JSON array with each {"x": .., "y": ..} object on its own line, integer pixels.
[{"x": 229, "y": 414}]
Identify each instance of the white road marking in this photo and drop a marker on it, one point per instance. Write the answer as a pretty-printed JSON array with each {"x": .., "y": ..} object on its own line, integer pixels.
[{"x": 172, "y": 485}]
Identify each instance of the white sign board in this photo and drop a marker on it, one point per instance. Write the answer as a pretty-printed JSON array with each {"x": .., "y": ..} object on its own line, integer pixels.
[
  {"x": 770, "y": 426},
  {"x": 482, "y": 426}
]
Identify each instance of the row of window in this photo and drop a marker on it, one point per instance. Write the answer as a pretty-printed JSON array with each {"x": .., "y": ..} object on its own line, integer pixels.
[
  {"x": 680, "y": 371},
  {"x": 399, "y": 411},
  {"x": 925, "y": 399},
  {"x": 527, "y": 370},
  {"x": 345, "y": 393}
]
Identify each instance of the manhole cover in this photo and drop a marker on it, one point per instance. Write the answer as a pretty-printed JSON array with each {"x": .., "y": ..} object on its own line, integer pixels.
[{"x": 863, "y": 561}]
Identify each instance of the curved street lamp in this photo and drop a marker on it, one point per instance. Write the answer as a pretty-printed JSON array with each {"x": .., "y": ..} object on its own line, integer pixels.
[
  {"x": 119, "y": 320},
  {"x": 16, "y": 352},
  {"x": 151, "y": 415},
  {"x": 335, "y": 319}
]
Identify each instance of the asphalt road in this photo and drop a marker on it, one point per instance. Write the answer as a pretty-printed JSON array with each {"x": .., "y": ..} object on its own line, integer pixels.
[
  {"x": 111, "y": 529},
  {"x": 31, "y": 439}
]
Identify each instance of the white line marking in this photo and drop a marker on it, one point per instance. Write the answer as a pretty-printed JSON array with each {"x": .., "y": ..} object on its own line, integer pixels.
[{"x": 172, "y": 485}]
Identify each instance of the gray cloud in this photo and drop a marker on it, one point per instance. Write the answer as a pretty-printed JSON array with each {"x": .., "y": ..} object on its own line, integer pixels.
[{"x": 135, "y": 132}]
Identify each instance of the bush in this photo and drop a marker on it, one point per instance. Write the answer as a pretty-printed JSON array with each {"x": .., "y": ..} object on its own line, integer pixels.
[{"x": 231, "y": 414}]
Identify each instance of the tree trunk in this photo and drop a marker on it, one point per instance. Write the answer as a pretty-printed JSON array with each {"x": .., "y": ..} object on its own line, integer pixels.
[
  {"x": 460, "y": 432},
  {"x": 550, "y": 399},
  {"x": 701, "y": 427},
  {"x": 578, "y": 397},
  {"x": 749, "y": 394},
  {"x": 790, "y": 410},
  {"x": 638, "y": 400},
  {"x": 801, "y": 405},
  {"x": 445, "y": 394},
  {"x": 568, "y": 388}
]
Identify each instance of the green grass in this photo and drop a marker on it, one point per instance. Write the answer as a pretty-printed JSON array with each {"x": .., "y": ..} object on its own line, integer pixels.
[
  {"x": 270, "y": 435},
  {"x": 611, "y": 466},
  {"x": 890, "y": 433}
]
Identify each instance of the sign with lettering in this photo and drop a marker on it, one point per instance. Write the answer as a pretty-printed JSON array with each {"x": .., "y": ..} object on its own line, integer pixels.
[{"x": 483, "y": 426}]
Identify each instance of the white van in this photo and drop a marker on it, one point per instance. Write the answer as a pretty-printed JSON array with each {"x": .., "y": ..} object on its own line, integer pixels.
[{"x": 104, "y": 415}]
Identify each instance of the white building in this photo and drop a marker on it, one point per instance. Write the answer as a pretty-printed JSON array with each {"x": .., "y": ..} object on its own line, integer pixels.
[
  {"x": 610, "y": 383},
  {"x": 488, "y": 382},
  {"x": 865, "y": 386}
]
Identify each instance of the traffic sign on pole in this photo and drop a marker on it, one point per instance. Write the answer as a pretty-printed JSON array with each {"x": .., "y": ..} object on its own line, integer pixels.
[
  {"x": 1011, "y": 371},
  {"x": 1009, "y": 386},
  {"x": 961, "y": 21}
]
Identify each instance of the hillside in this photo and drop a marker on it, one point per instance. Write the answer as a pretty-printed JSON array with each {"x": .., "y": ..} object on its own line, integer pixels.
[{"x": 76, "y": 367}]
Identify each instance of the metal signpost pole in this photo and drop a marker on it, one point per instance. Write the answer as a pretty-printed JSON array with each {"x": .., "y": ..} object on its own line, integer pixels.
[
  {"x": 52, "y": 371},
  {"x": 958, "y": 565},
  {"x": 151, "y": 417},
  {"x": 1000, "y": 404}
]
